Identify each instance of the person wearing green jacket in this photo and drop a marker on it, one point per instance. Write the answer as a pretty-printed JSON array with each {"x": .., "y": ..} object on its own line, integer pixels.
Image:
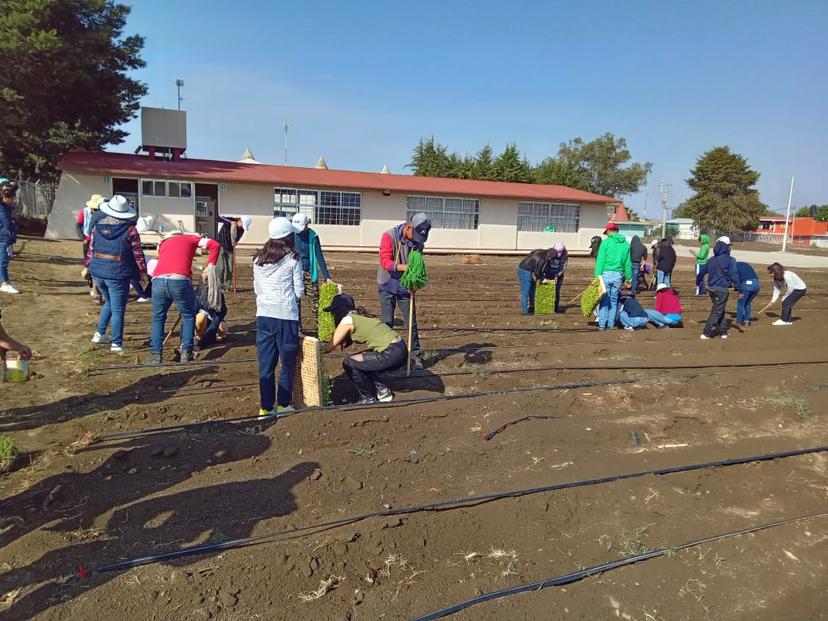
[
  {"x": 702, "y": 255},
  {"x": 614, "y": 266}
]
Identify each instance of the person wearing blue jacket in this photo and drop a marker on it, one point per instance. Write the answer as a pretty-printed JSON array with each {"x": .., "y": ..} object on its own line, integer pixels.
[
  {"x": 721, "y": 275},
  {"x": 749, "y": 287},
  {"x": 631, "y": 314},
  {"x": 8, "y": 236}
]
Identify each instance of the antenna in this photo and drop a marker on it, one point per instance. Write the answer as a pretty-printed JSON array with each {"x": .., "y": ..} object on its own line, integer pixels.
[
  {"x": 179, "y": 83},
  {"x": 664, "y": 188},
  {"x": 285, "y": 127}
]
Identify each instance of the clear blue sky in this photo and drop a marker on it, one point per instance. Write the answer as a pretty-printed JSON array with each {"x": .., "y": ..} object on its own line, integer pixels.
[{"x": 360, "y": 82}]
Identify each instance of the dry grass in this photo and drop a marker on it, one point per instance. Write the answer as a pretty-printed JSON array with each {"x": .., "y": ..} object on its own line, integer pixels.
[
  {"x": 8, "y": 452},
  {"x": 472, "y": 259},
  {"x": 325, "y": 587}
]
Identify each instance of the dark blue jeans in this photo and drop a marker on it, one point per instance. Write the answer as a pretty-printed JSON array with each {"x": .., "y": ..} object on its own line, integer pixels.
[
  {"x": 745, "y": 298},
  {"x": 115, "y": 293},
  {"x": 701, "y": 272},
  {"x": 527, "y": 291},
  {"x": 135, "y": 282},
  {"x": 558, "y": 286},
  {"x": 4, "y": 261},
  {"x": 388, "y": 304},
  {"x": 636, "y": 267},
  {"x": 165, "y": 292},
  {"x": 276, "y": 338}
]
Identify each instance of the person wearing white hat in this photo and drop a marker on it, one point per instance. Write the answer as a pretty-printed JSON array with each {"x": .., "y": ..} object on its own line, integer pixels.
[
  {"x": 278, "y": 284},
  {"x": 114, "y": 255},
  {"x": 314, "y": 267},
  {"x": 84, "y": 226},
  {"x": 724, "y": 239},
  {"x": 230, "y": 231}
]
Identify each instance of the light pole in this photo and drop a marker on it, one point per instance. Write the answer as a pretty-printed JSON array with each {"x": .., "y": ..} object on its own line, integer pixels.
[
  {"x": 787, "y": 217},
  {"x": 664, "y": 188},
  {"x": 179, "y": 83}
]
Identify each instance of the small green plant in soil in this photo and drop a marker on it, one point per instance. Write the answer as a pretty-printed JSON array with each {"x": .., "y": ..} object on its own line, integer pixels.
[
  {"x": 325, "y": 321},
  {"x": 628, "y": 543},
  {"x": 8, "y": 452},
  {"x": 325, "y": 387},
  {"x": 545, "y": 298},
  {"x": 479, "y": 370},
  {"x": 797, "y": 404},
  {"x": 548, "y": 323},
  {"x": 362, "y": 451}
]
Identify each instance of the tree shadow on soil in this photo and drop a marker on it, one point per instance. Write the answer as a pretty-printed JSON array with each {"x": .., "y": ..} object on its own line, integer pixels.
[
  {"x": 213, "y": 513},
  {"x": 70, "y": 408}
]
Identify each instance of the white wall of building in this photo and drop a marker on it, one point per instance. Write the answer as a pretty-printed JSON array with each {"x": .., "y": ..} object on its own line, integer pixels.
[{"x": 496, "y": 232}]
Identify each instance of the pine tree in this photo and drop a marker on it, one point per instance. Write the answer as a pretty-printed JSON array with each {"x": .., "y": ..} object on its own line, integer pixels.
[
  {"x": 484, "y": 164},
  {"x": 430, "y": 159},
  {"x": 510, "y": 166},
  {"x": 725, "y": 198}
]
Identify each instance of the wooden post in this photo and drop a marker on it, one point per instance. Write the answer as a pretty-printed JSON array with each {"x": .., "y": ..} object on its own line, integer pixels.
[
  {"x": 234, "y": 270},
  {"x": 410, "y": 333}
]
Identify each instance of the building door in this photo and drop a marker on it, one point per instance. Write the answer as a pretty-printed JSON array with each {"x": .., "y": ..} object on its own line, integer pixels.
[
  {"x": 205, "y": 216},
  {"x": 128, "y": 188}
]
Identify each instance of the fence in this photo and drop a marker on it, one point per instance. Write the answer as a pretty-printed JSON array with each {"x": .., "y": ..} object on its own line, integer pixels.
[{"x": 35, "y": 199}]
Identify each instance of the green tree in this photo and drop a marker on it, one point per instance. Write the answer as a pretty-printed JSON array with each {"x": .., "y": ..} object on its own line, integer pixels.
[
  {"x": 484, "y": 164},
  {"x": 822, "y": 213},
  {"x": 724, "y": 198},
  {"x": 63, "y": 80},
  {"x": 804, "y": 212},
  {"x": 554, "y": 172},
  {"x": 601, "y": 163},
  {"x": 430, "y": 159},
  {"x": 511, "y": 166}
]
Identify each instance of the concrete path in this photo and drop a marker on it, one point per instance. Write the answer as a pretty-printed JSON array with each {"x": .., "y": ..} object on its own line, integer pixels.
[{"x": 788, "y": 259}]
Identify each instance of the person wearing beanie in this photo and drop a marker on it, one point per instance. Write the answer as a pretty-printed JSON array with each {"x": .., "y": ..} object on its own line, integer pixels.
[
  {"x": 172, "y": 283},
  {"x": 721, "y": 275},
  {"x": 113, "y": 256},
  {"x": 702, "y": 255},
  {"x": 314, "y": 267},
  {"x": 386, "y": 350},
  {"x": 278, "y": 284},
  {"x": 230, "y": 231},
  {"x": 614, "y": 267},
  {"x": 668, "y": 311},
  {"x": 8, "y": 236}
]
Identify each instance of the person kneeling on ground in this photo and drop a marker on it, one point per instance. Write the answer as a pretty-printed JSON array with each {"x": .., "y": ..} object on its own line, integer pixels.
[
  {"x": 531, "y": 269},
  {"x": 386, "y": 350},
  {"x": 668, "y": 310},
  {"x": 631, "y": 314},
  {"x": 795, "y": 290},
  {"x": 212, "y": 309}
]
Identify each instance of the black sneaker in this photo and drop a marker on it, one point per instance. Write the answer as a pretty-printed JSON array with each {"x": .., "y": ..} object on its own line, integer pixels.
[
  {"x": 367, "y": 401},
  {"x": 186, "y": 356},
  {"x": 384, "y": 394},
  {"x": 153, "y": 360}
]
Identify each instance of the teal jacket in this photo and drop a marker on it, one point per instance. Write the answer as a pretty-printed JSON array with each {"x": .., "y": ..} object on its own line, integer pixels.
[{"x": 614, "y": 256}]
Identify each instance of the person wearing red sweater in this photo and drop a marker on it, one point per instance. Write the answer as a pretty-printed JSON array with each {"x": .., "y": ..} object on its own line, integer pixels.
[
  {"x": 668, "y": 310},
  {"x": 172, "y": 284}
]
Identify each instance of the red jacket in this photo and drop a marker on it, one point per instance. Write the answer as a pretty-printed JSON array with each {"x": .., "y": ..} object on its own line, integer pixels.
[
  {"x": 667, "y": 302},
  {"x": 175, "y": 254}
]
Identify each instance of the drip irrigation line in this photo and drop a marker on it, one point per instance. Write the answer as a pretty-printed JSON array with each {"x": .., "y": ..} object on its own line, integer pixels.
[
  {"x": 430, "y": 399},
  {"x": 488, "y": 435},
  {"x": 597, "y": 569},
  {"x": 456, "y": 503}
]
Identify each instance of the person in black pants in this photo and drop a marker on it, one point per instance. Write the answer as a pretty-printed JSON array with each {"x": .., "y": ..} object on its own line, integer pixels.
[
  {"x": 638, "y": 253},
  {"x": 532, "y": 268},
  {"x": 722, "y": 274},
  {"x": 795, "y": 290},
  {"x": 386, "y": 350}
]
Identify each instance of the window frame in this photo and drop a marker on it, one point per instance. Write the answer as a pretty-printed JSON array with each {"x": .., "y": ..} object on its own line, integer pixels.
[
  {"x": 441, "y": 216},
  {"x": 309, "y": 201},
  {"x": 154, "y": 184},
  {"x": 551, "y": 218}
]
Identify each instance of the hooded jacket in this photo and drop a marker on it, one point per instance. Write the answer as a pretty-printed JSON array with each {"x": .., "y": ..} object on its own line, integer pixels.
[
  {"x": 668, "y": 303},
  {"x": 703, "y": 253},
  {"x": 631, "y": 306},
  {"x": 278, "y": 287},
  {"x": 536, "y": 262},
  {"x": 667, "y": 256},
  {"x": 747, "y": 275},
  {"x": 614, "y": 256},
  {"x": 8, "y": 230},
  {"x": 638, "y": 251},
  {"x": 722, "y": 272}
]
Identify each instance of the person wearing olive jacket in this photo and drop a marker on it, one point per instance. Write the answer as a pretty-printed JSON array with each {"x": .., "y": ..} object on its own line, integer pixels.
[
  {"x": 614, "y": 267},
  {"x": 702, "y": 256}
]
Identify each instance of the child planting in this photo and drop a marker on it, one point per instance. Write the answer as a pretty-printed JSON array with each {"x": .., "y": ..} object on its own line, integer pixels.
[
  {"x": 795, "y": 290},
  {"x": 386, "y": 350}
]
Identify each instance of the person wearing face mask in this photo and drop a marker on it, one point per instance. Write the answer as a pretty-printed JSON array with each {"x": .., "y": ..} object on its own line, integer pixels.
[{"x": 314, "y": 267}]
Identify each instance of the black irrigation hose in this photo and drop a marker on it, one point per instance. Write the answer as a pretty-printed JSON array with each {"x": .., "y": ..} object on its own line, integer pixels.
[
  {"x": 466, "y": 502},
  {"x": 597, "y": 569},
  {"x": 431, "y": 399},
  {"x": 488, "y": 435}
]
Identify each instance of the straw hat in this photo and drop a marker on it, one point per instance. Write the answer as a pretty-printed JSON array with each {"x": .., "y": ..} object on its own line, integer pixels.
[{"x": 95, "y": 202}]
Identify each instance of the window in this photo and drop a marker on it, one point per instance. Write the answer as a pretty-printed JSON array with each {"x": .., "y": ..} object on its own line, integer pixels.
[
  {"x": 321, "y": 206},
  {"x": 562, "y": 217},
  {"x": 446, "y": 212},
  {"x": 171, "y": 189}
]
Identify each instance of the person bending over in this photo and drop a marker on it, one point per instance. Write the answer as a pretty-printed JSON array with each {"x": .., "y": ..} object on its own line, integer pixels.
[
  {"x": 795, "y": 289},
  {"x": 749, "y": 287},
  {"x": 531, "y": 269},
  {"x": 7, "y": 344},
  {"x": 386, "y": 350},
  {"x": 631, "y": 315}
]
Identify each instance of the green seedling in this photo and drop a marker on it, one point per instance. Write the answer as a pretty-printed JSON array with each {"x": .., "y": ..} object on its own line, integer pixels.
[{"x": 8, "y": 452}]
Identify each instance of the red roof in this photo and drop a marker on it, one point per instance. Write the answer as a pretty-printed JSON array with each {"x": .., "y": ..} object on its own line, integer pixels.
[
  {"x": 212, "y": 170},
  {"x": 620, "y": 214}
]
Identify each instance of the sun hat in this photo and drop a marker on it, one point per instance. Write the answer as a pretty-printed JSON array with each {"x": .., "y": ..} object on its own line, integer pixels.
[
  {"x": 559, "y": 247},
  {"x": 662, "y": 286},
  {"x": 724, "y": 239},
  {"x": 420, "y": 227},
  {"x": 246, "y": 222},
  {"x": 300, "y": 221},
  {"x": 118, "y": 207},
  {"x": 95, "y": 202},
  {"x": 341, "y": 303},
  {"x": 654, "y": 243},
  {"x": 611, "y": 226},
  {"x": 279, "y": 228}
]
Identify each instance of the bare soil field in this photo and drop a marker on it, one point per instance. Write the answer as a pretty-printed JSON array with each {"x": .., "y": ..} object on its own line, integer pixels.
[{"x": 600, "y": 404}]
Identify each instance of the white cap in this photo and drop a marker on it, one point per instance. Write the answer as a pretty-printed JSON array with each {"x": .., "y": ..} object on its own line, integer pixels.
[
  {"x": 653, "y": 243},
  {"x": 724, "y": 239},
  {"x": 246, "y": 222},
  {"x": 279, "y": 228},
  {"x": 300, "y": 222}
]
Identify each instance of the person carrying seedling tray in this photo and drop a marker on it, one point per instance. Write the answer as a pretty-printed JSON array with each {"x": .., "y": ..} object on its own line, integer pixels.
[
  {"x": 386, "y": 350},
  {"x": 396, "y": 246},
  {"x": 614, "y": 267}
]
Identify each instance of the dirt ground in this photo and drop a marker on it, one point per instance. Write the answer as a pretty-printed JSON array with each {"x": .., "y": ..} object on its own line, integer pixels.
[{"x": 66, "y": 511}]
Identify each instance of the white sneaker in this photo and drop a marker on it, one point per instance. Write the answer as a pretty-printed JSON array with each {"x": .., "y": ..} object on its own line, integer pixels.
[
  {"x": 384, "y": 394},
  {"x": 9, "y": 288},
  {"x": 99, "y": 338},
  {"x": 780, "y": 322},
  {"x": 629, "y": 328},
  {"x": 704, "y": 337},
  {"x": 142, "y": 300},
  {"x": 92, "y": 293},
  {"x": 117, "y": 349},
  {"x": 724, "y": 336}
]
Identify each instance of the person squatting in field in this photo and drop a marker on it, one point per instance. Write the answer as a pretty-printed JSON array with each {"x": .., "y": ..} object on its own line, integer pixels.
[
  {"x": 613, "y": 265},
  {"x": 279, "y": 285},
  {"x": 795, "y": 290},
  {"x": 631, "y": 314},
  {"x": 386, "y": 350},
  {"x": 668, "y": 311}
]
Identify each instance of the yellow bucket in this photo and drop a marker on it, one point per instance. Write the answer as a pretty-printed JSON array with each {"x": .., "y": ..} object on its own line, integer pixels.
[{"x": 16, "y": 370}]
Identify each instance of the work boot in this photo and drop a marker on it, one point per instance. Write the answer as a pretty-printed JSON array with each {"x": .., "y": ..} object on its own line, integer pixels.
[{"x": 153, "y": 360}]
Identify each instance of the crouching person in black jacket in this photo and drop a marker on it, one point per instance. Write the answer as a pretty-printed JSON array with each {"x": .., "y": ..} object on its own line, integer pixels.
[{"x": 533, "y": 268}]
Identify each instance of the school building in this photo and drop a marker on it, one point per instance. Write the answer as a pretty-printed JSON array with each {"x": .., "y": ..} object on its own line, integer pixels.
[{"x": 350, "y": 210}]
